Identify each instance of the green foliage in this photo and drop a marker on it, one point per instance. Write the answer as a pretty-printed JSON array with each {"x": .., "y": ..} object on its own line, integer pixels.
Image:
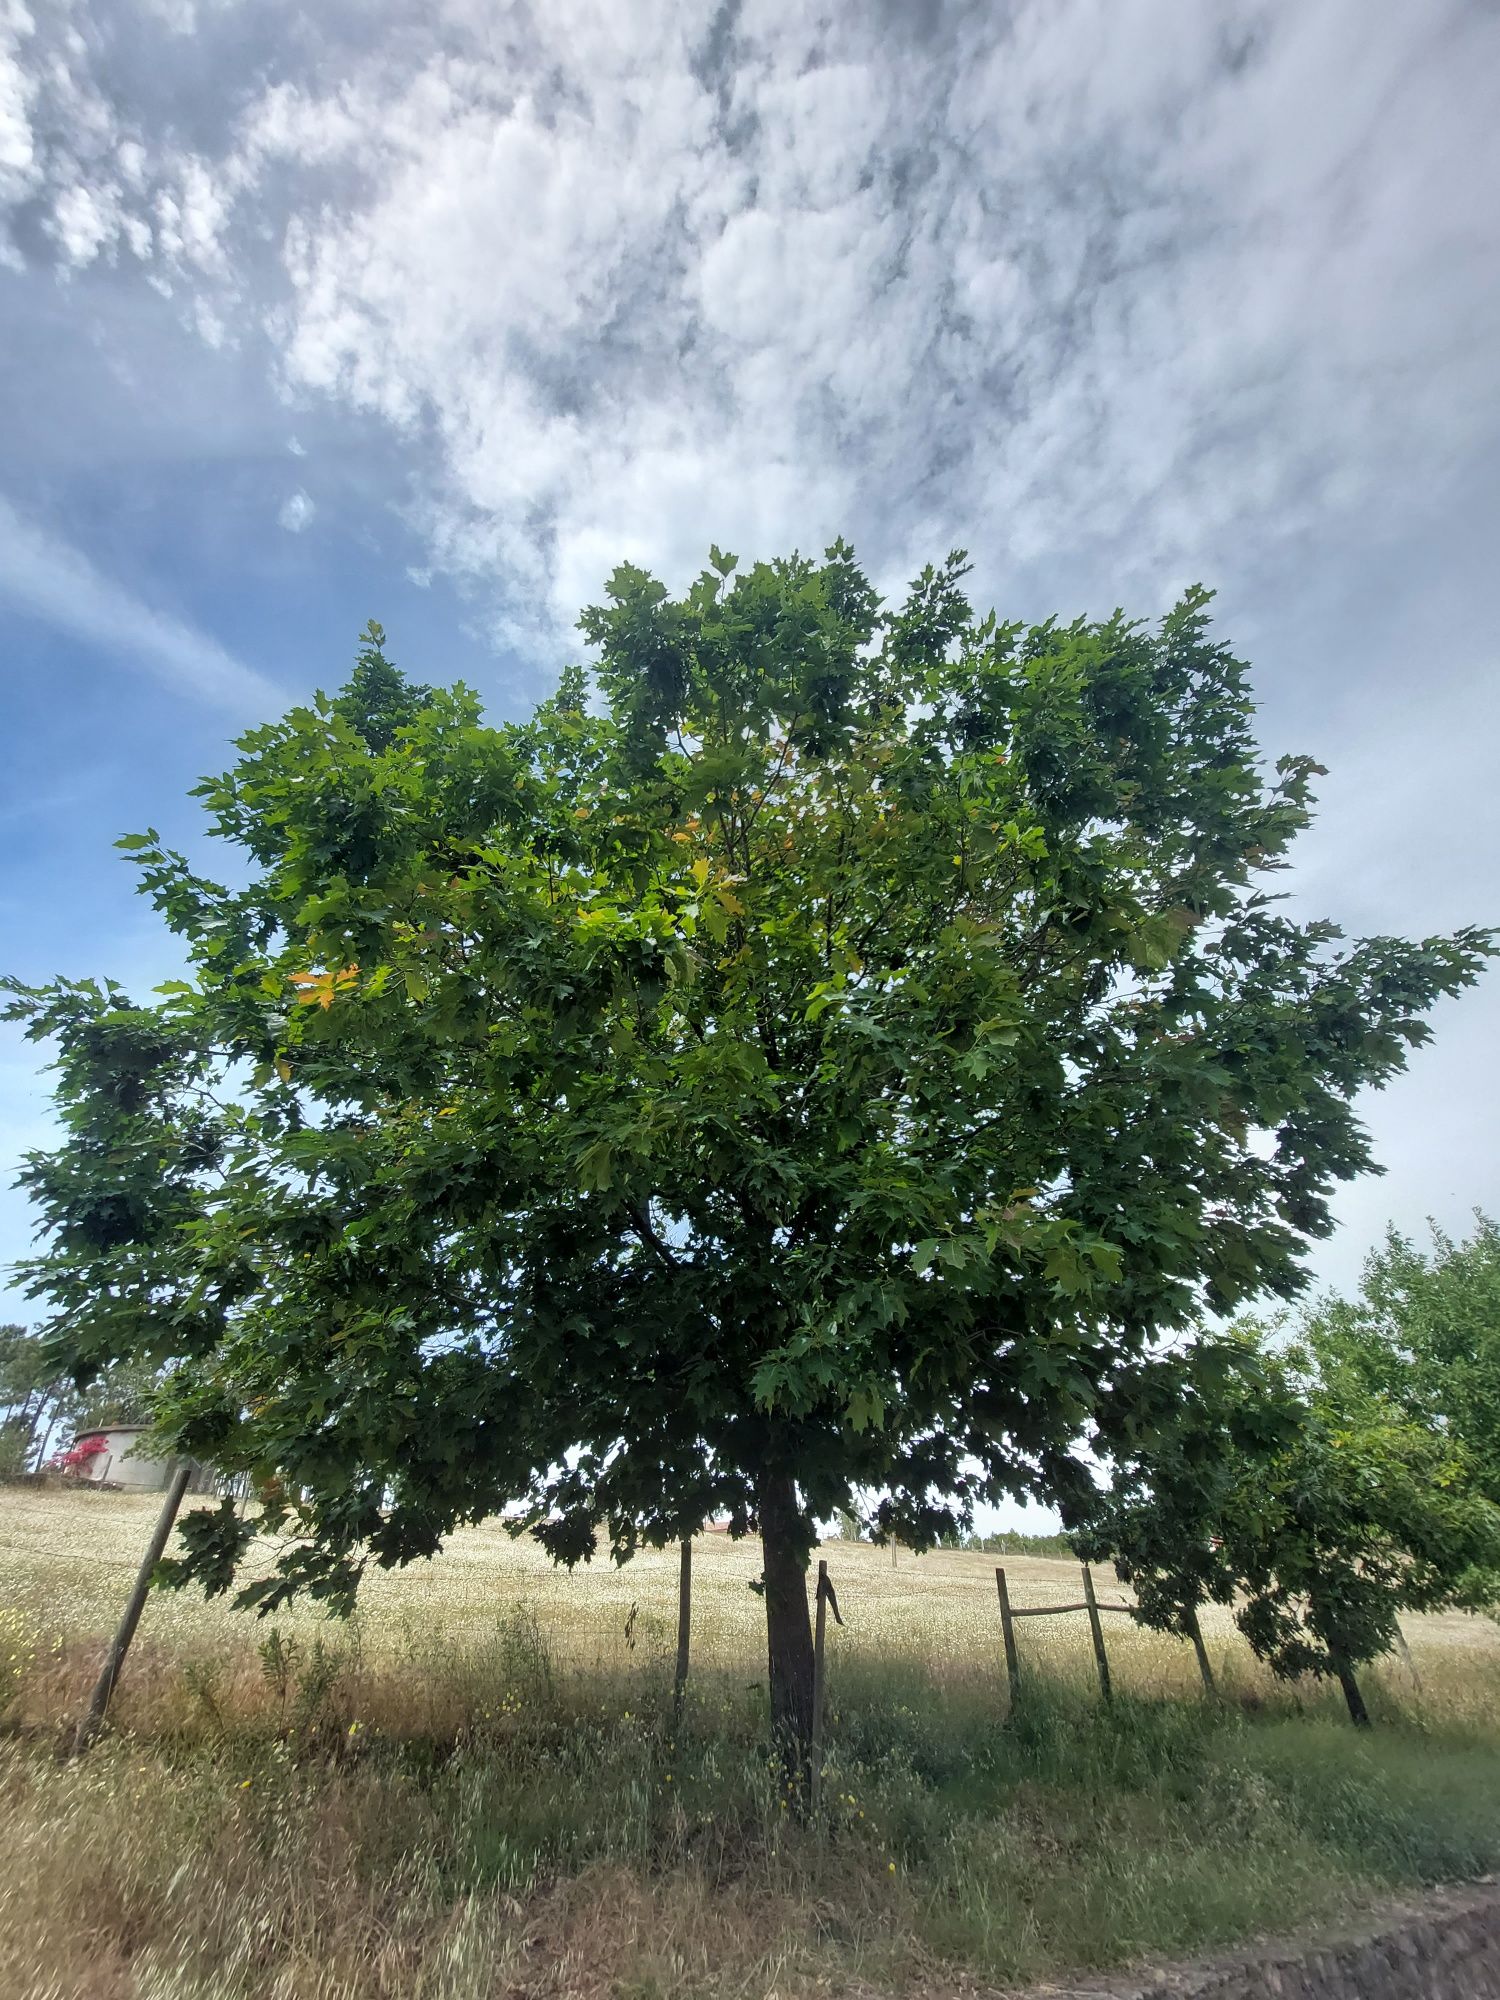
[
  {"x": 15, "y": 1450},
  {"x": 1365, "y": 1516},
  {"x": 1423, "y": 1331},
  {"x": 18, "y": 1371},
  {"x": 1315, "y": 1504},
  {"x": 123, "y": 1392},
  {"x": 1015, "y": 1542},
  {"x": 27, "y": 1393},
  {"x": 1162, "y": 1521},
  {"x": 379, "y": 701},
  {"x": 42, "y": 1407},
  {"x": 820, "y": 1052}
]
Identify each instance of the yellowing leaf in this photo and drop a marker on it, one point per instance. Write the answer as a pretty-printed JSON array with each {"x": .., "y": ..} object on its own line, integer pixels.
[{"x": 317, "y": 989}]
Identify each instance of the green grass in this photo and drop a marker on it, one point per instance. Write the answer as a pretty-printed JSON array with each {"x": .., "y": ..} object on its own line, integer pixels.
[{"x": 486, "y": 1801}]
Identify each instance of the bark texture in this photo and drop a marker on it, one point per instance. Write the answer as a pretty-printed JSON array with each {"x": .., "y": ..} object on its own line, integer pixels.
[
  {"x": 789, "y": 1641},
  {"x": 1359, "y": 1715}
]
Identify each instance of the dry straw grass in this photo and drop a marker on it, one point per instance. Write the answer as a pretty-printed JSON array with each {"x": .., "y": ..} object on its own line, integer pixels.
[{"x": 475, "y": 1787}]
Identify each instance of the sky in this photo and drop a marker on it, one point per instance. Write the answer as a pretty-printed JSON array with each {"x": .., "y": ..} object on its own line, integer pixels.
[{"x": 434, "y": 312}]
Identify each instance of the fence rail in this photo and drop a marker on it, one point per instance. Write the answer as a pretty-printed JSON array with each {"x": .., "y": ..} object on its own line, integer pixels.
[{"x": 1089, "y": 1602}]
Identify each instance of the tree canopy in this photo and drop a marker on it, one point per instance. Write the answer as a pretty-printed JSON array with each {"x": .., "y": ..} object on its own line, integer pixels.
[
  {"x": 819, "y": 1053},
  {"x": 1313, "y": 1502},
  {"x": 1423, "y": 1330}
]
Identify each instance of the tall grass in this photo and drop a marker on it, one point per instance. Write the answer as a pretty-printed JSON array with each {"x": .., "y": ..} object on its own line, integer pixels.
[
  {"x": 496, "y": 1799},
  {"x": 567, "y": 1838}
]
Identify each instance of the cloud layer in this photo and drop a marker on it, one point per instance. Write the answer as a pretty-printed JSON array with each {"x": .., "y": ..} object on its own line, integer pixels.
[{"x": 1103, "y": 291}]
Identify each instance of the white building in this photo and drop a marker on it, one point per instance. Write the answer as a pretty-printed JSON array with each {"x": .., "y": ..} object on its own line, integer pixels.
[{"x": 117, "y": 1462}]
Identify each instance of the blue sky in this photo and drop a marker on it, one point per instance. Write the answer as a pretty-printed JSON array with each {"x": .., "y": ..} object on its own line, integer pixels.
[{"x": 433, "y": 313}]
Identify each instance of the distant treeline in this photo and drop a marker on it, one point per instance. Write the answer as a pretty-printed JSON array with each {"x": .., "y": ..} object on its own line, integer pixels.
[{"x": 1013, "y": 1543}]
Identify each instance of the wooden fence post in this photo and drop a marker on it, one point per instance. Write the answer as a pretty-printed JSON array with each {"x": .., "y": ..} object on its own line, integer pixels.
[
  {"x": 1195, "y": 1633},
  {"x": 1091, "y": 1603},
  {"x": 104, "y": 1687},
  {"x": 1411, "y": 1666},
  {"x": 826, "y": 1597},
  {"x": 1008, "y": 1634},
  {"x": 684, "y": 1627}
]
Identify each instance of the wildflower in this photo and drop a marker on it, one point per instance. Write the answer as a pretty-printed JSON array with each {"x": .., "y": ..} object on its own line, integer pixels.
[
  {"x": 667, "y": 1779},
  {"x": 891, "y": 1866},
  {"x": 245, "y": 1784}
]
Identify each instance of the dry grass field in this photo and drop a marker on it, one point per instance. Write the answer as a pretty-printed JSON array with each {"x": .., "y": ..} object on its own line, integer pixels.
[{"x": 474, "y": 1787}]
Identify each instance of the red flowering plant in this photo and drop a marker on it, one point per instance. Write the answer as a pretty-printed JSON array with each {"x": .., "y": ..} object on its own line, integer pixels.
[{"x": 76, "y": 1458}]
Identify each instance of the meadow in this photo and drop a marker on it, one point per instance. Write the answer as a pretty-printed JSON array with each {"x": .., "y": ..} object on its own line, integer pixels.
[{"x": 476, "y": 1786}]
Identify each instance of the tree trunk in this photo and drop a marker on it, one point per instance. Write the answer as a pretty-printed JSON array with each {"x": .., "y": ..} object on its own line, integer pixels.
[
  {"x": 1359, "y": 1715},
  {"x": 41, "y": 1450},
  {"x": 51, "y": 1407},
  {"x": 1195, "y": 1633},
  {"x": 789, "y": 1641},
  {"x": 28, "y": 1419}
]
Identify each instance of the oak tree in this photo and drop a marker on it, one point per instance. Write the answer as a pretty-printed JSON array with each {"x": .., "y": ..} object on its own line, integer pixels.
[{"x": 816, "y": 1055}]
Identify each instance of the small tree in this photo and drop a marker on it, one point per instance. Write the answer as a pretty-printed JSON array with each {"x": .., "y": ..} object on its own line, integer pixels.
[
  {"x": 819, "y": 1052},
  {"x": 1423, "y": 1331},
  {"x": 1221, "y": 1413},
  {"x": 1322, "y": 1515}
]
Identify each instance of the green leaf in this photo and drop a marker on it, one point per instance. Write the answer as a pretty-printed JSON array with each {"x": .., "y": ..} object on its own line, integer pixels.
[{"x": 866, "y": 1410}]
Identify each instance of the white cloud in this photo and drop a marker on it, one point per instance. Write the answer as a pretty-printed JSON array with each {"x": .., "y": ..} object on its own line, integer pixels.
[
  {"x": 1120, "y": 286},
  {"x": 18, "y": 91},
  {"x": 1085, "y": 286},
  {"x": 296, "y": 513},
  {"x": 85, "y": 220},
  {"x": 99, "y": 180},
  {"x": 50, "y": 580},
  {"x": 179, "y": 16},
  {"x": 208, "y": 323}
]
